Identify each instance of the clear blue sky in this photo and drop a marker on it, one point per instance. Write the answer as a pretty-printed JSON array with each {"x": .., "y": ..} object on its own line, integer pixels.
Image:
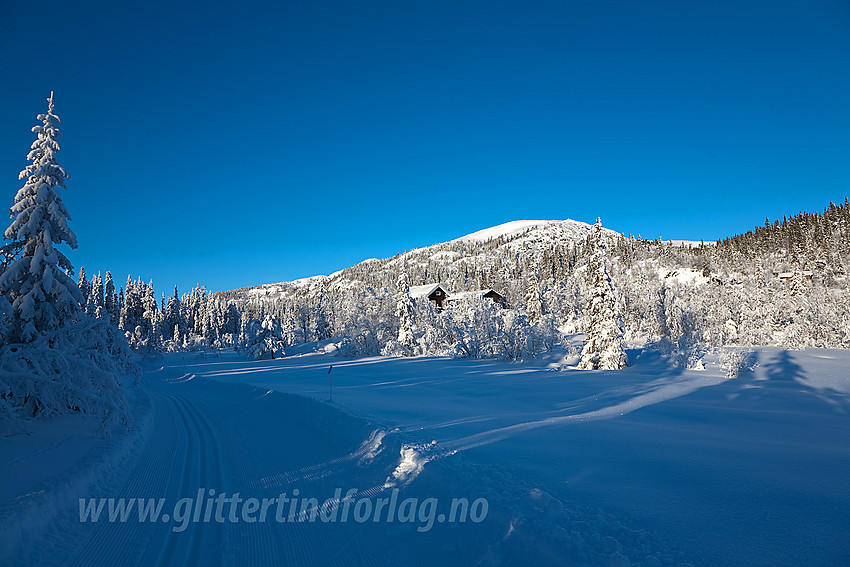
[{"x": 237, "y": 143}]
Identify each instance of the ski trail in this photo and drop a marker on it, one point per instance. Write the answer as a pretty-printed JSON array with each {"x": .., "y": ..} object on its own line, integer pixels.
[
  {"x": 200, "y": 470},
  {"x": 208, "y": 435},
  {"x": 182, "y": 456}
]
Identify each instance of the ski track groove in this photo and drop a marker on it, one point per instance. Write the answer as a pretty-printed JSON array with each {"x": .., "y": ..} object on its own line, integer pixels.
[
  {"x": 241, "y": 472},
  {"x": 186, "y": 452},
  {"x": 106, "y": 543},
  {"x": 202, "y": 456}
]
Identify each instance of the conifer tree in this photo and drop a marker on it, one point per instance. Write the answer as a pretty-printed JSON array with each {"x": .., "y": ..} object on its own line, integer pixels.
[
  {"x": 83, "y": 282},
  {"x": 37, "y": 283},
  {"x": 110, "y": 299},
  {"x": 603, "y": 349},
  {"x": 322, "y": 326},
  {"x": 63, "y": 361},
  {"x": 94, "y": 307},
  {"x": 533, "y": 303},
  {"x": 406, "y": 317},
  {"x": 172, "y": 318}
]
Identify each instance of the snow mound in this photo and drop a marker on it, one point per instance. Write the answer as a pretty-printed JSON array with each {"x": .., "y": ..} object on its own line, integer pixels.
[
  {"x": 372, "y": 447},
  {"x": 409, "y": 467}
]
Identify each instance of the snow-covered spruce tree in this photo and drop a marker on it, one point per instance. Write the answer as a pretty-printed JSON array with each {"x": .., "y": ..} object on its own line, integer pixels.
[
  {"x": 149, "y": 334},
  {"x": 517, "y": 337},
  {"x": 94, "y": 305},
  {"x": 322, "y": 327},
  {"x": 110, "y": 299},
  {"x": 56, "y": 359},
  {"x": 37, "y": 282},
  {"x": 542, "y": 334},
  {"x": 130, "y": 307},
  {"x": 264, "y": 340},
  {"x": 533, "y": 303},
  {"x": 83, "y": 283},
  {"x": 405, "y": 343},
  {"x": 173, "y": 323},
  {"x": 603, "y": 349}
]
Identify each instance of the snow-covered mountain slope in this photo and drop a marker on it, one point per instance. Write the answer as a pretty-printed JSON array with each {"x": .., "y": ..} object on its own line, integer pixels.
[
  {"x": 458, "y": 263},
  {"x": 517, "y": 227},
  {"x": 519, "y": 241}
]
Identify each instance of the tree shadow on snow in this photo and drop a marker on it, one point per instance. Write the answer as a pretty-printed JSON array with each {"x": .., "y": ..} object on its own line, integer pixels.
[
  {"x": 783, "y": 369},
  {"x": 781, "y": 380}
]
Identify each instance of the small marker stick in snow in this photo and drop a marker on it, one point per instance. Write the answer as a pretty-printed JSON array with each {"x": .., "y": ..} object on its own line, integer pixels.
[{"x": 331, "y": 367}]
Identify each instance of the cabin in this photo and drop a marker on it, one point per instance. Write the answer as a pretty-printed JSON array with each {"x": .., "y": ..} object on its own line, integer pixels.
[
  {"x": 433, "y": 292},
  {"x": 490, "y": 294},
  {"x": 785, "y": 277},
  {"x": 437, "y": 294}
]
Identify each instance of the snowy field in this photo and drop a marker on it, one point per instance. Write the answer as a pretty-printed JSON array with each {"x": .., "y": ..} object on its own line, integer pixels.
[{"x": 645, "y": 466}]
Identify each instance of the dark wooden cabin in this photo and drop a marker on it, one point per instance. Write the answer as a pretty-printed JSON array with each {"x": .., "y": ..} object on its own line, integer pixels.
[{"x": 434, "y": 292}]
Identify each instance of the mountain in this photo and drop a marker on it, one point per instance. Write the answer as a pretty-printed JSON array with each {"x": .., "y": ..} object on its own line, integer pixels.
[
  {"x": 481, "y": 259},
  {"x": 517, "y": 227}
]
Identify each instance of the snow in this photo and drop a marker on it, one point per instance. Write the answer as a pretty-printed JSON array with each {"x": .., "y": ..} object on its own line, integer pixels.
[
  {"x": 506, "y": 229},
  {"x": 465, "y": 295},
  {"x": 524, "y": 238},
  {"x": 409, "y": 467},
  {"x": 276, "y": 288},
  {"x": 680, "y": 449},
  {"x": 689, "y": 243},
  {"x": 417, "y": 291},
  {"x": 789, "y": 275},
  {"x": 650, "y": 465},
  {"x": 514, "y": 228},
  {"x": 445, "y": 255},
  {"x": 684, "y": 276}
]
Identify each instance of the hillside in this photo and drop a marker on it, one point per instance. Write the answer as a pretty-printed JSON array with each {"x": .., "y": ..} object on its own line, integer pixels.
[
  {"x": 690, "y": 296},
  {"x": 474, "y": 261},
  {"x": 782, "y": 284}
]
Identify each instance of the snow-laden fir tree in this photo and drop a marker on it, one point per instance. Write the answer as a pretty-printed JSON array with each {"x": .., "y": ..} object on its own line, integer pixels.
[
  {"x": 94, "y": 306},
  {"x": 37, "y": 283},
  {"x": 55, "y": 359},
  {"x": 83, "y": 282},
  {"x": 173, "y": 324},
  {"x": 263, "y": 340},
  {"x": 405, "y": 343},
  {"x": 603, "y": 349},
  {"x": 322, "y": 327},
  {"x": 533, "y": 303},
  {"x": 148, "y": 334}
]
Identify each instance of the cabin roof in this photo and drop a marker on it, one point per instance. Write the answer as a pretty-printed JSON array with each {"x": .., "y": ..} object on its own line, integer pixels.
[
  {"x": 471, "y": 294},
  {"x": 417, "y": 291},
  {"x": 791, "y": 274},
  {"x": 425, "y": 290}
]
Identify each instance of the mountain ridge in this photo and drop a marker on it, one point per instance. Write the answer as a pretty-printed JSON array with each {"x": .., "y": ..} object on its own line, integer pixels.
[{"x": 514, "y": 234}]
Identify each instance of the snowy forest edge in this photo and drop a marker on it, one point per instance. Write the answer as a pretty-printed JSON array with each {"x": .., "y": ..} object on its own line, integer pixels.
[{"x": 67, "y": 346}]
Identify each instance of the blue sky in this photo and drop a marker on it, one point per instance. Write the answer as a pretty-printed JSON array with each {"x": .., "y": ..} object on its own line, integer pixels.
[{"x": 240, "y": 143}]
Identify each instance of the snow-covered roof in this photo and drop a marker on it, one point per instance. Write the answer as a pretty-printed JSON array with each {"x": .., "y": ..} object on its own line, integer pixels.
[
  {"x": 417, "y": 291},
  {"x": 470, "y": 294},
  {"x": 789, "y": 275},
  {"x": 425, "y": 290}
]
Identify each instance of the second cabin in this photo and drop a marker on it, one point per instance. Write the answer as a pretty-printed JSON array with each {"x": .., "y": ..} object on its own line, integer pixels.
[{"x": 438, "y": 294}]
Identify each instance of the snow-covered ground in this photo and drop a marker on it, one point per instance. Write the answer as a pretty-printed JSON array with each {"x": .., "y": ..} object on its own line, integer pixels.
[{"x": 650, "y": 465}]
